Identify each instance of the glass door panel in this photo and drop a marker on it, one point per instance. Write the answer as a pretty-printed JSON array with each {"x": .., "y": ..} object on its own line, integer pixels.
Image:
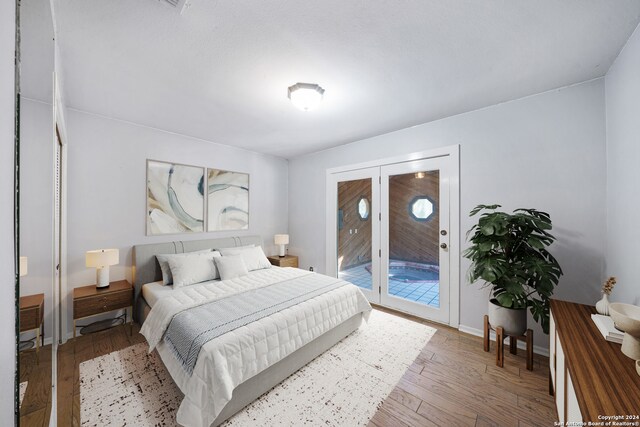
[
  {"x": 414, "y": 228},
  {"x": 355, "y": 257},
  {"x": 354, "y": 232}
]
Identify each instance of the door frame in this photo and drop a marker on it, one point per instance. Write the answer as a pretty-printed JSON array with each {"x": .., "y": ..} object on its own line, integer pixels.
[{"x": 453, "y": 151}]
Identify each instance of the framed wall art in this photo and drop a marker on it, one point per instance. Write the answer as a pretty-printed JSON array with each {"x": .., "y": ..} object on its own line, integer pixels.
[
  {"x": 227, "y": 200},
  {"x": 175, "y": 198}
]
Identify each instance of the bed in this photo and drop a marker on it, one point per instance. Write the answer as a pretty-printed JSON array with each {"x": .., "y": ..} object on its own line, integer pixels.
[{"x": 233, "y": 369}]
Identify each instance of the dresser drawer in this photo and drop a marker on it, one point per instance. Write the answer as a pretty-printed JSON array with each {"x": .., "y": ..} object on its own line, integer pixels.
[
  {"x": 97, "y": 304},
  {"x": 29, "y": 319}
]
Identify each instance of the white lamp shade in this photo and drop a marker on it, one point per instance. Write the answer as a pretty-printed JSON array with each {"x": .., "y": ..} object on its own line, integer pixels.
[
  {"x": 102, "y": 258},
  {"x": 281, "y": 239},
  {"x": 24, "y": 266}
]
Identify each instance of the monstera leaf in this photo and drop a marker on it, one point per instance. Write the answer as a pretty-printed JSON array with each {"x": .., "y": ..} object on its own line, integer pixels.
[{"x": 508, "y": 253}]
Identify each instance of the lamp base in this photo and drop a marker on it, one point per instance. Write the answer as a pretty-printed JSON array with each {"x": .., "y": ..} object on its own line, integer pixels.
[
  {"x": 281, "y": 252},
  {"x": 102, "y": 277}
]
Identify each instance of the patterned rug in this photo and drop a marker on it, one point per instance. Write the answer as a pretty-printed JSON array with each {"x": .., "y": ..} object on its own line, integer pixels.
[
  {"x": 342, "y": 387},
  {"x": 23, "y": 390}
]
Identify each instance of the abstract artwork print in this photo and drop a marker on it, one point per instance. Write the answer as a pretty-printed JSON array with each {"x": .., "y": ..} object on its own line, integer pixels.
[
  {"x": 175, "y": 198},
  {"x": 228, "y": 200}
]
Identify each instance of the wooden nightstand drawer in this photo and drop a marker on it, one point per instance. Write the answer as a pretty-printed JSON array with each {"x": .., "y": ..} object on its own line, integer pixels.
[
  {"x": 90, "y": 300},
  {"x": 97, "y": 304},
  {"x": 285, "y": 261},
  {"x": 30, "y": 319},
  {"x": 31, "y": 312}
]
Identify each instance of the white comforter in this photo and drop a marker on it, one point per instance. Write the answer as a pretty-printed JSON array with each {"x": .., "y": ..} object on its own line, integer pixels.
[{"x": 227, "y": 361}]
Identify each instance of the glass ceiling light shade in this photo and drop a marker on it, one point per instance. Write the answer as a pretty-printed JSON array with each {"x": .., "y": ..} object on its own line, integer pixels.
[{"x": 305, "y": 96}]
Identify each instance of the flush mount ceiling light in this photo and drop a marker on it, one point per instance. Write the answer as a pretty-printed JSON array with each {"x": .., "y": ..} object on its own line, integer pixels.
[{"x": 305, "y": 96}]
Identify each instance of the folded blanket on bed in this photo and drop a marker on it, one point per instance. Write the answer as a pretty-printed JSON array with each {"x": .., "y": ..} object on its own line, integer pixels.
[{"x": 189, "y": 330}]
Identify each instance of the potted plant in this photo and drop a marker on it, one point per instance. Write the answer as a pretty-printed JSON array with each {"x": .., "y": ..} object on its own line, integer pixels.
[{"x": 508, "y": 252}]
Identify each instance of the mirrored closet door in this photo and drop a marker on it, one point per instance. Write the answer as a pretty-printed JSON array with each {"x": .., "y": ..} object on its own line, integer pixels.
[{"x": 36, "y": 221}]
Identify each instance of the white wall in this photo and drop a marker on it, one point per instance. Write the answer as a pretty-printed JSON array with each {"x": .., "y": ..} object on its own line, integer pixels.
[
  {"x": 7, "y": 255},
  {"x": 107, "y": 185},
  {"x": 623, "y": 171},
  {"x": 37, "y": 203},
  {"x": 545, "y": 151}
]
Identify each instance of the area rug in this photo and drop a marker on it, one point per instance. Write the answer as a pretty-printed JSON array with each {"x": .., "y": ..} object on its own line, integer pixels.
[
  {"x": 23, "y": 390},
  {"x": 342, "y": 387}
]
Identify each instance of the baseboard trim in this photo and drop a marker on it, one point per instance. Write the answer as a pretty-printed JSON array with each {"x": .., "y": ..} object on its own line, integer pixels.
[{"x": 542, "y": 351}]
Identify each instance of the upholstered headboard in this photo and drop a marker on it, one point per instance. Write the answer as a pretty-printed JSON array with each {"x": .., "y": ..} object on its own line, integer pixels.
[{"x": 146, "y": 268}]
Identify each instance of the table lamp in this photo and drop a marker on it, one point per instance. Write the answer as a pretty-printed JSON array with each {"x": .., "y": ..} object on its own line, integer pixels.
[
  {"x": 24, "y": 266},
  {"x": 281, "y": 240},
  {"x": 101, "y": 259}
]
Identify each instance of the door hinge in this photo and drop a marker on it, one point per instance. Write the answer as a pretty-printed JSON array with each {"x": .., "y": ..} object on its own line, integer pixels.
[
  {"x": 379, "y": 253},
  {"x": 379, "y": 180},
  {"x": 379, "y": 216}
]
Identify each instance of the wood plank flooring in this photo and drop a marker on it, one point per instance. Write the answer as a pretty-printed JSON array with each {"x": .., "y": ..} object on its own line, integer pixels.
[
  {"x": 453, "y": 382},
  {"x": 36, "y": 405},
  {"x": 78, "y": 350}
]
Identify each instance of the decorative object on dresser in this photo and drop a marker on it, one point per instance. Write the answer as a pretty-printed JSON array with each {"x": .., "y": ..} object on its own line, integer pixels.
[
  {"x": 501, "y": 334},
  {"x": 589, "y": 376},
  {"x": 607, "y": 328},
  {"x": 90, "y": 301},
  {"x": 101, "y": 259},
  {"x": 32, "y": 318},
  {"x": 508, "y": 253},
  {"x": 175, "y": 198},
  {"x": 281, "y": 240},
  {"x": 285, "y": 261},
  {"x": 227, "y": 200},
  {"x": 602, "y": 306},
  {"x": 626, "y": 318}
]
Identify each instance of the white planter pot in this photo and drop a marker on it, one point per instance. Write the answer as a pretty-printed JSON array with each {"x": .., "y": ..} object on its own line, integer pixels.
[{"x": 513, "y": 321}]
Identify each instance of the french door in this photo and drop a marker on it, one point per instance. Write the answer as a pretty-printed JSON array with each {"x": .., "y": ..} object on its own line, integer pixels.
[
  {"x": 356, "y": 229},
  {"x": 389, "y": 234}
]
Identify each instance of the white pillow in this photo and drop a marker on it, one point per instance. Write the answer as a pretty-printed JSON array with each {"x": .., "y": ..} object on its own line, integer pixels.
[
  {"x": 163, "y": 260},
  {"x": 231, "y": 267},
  {"x": 253, "y": 257},
  {"x": 235, "y": 250},
  {"x": 192, "y": 269}
]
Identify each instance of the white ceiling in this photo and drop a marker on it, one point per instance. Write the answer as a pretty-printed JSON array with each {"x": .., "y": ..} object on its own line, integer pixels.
[{"x": 220, "y": 71}]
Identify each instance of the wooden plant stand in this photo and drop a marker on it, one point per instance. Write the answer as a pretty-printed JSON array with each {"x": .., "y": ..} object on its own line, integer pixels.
[{"x": 513, "y": 343}]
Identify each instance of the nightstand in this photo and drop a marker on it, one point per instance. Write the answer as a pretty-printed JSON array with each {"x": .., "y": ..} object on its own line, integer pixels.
[
  {"x": 90, "y": 301},
  {"x": 32, "y": 316},
  {"x": 285, "y": 261}
]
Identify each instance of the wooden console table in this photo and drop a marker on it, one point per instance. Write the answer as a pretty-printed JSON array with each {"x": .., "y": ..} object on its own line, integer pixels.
[{"x": 589, "y": 376}]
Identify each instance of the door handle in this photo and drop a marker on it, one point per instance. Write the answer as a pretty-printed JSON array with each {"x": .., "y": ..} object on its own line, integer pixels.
[
  {"x": 443, "y": 232},
  {"x": 443, "y": 245}
]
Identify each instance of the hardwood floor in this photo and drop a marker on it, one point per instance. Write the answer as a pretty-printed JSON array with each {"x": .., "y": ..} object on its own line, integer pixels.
[
  {"x": 36, "y": 405},
  {"x": 76, "y": 351},
  {"x": 453, "y": 382}
]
